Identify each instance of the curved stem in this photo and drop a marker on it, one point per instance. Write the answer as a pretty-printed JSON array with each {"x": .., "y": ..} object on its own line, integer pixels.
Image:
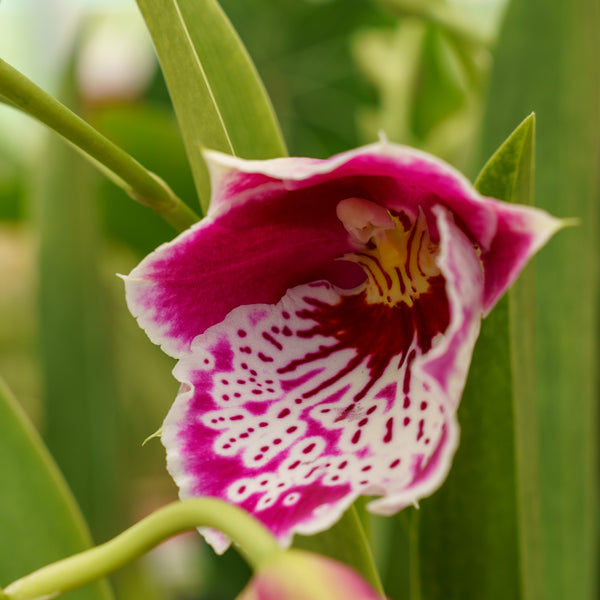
[
  {"x": 142, "y": 185},
  {"x": 255, "y": 542}
]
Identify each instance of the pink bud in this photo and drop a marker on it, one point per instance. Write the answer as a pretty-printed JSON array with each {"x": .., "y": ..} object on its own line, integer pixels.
[{"x": 298, "y": 575}]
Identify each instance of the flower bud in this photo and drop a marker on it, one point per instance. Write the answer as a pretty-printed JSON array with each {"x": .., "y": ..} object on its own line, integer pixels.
[{"x": 299, "y": 575}]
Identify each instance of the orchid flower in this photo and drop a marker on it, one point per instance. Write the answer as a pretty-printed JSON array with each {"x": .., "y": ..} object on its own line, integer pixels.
[{"x": 323, "y": 315}]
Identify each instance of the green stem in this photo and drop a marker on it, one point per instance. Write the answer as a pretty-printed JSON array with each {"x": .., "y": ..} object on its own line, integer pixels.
[
  {"x": 255, "y": 542},
  {"x": 142, "y": 185}
]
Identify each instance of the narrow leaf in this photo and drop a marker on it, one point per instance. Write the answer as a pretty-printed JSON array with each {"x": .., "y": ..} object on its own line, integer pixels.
[
  {"x": 509, "y": 175},
  {"x": 469, "y": 531},
  {"x": 546, "y": 61},
  {"x": 81, "y": 400},
  {"x": 39, "y": 519},
  {"x": 216, "y": 92}
]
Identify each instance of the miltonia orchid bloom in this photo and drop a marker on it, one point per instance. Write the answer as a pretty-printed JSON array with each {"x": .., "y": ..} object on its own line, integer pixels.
[{"x": 324, "y": 314}]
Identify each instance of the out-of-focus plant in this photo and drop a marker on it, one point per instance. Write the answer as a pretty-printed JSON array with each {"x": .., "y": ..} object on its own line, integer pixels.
[{"x": 430, "y": 71}]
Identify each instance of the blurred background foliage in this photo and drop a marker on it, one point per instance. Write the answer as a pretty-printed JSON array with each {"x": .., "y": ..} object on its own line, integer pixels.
[{"x": 453, "y": 77}]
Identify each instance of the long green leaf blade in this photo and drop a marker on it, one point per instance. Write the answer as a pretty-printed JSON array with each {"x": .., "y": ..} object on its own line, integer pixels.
[
  {"x": 39, "y": 520},
  {"x": 547, "y": 61},
  {"x": 516, "y": 184},
  {"x": 216, "y": 92},
  {"x": 471, "y": 544},
  {"x": 81, "y": 399}
]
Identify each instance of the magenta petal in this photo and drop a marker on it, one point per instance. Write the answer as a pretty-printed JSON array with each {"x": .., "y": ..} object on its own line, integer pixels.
[
  {"x": 397, "y": 177},
  {"x": 251, "y": 253},
  {"x": 521, "y": 232},
  {"x": 195, "y": 281}
]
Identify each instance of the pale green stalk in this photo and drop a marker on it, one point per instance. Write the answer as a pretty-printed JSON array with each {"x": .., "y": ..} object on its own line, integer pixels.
[
  {"x": 255, "y": 542},
  {"x": 142, "y": 185}
]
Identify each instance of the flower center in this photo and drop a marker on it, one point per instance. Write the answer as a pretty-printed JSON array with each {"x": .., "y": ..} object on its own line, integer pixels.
[{"x": 398, "y": 258}]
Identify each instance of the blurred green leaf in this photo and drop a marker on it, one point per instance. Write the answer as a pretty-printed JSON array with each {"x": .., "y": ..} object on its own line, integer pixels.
[
  {"x": 547, "y": 61},
  {"x": 441, "y": 87},
  {"x": 11, "y": 186},
  {"x": 509, "y": 174},
  {"x": 392, "y": 61},
  {"x": 473, "y": 539},
  {"x": 216, "y": 92},
  {"x": 303, "y": 51},
  {"x": 396, "y": 548},
  {"x": 39, "y": 519},
  {"x": 79, "y": 393},
  {"x": 473, "y": 26},
  {"x": 430, "y": 85}
]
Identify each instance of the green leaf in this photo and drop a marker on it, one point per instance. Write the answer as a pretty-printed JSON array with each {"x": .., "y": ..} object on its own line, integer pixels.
[
  {"x": 317, "y": 100},
  {"x": 508, "y": 174},
  {"x": 216, "y": 92},
  {"x": 80, "y": 394},
  {"x": 546, "y": 61},
  {"x": 39, "y": 520},
  {"x": 396, "y": 543},
  {"x": 473, "y": 536},
  {"x": 441, "y": 86}
]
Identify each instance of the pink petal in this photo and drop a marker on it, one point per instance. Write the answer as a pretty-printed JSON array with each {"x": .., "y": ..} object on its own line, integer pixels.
[
  {"x": 394, "y": 176},
  {"x": 252, "y": 253},
  {"x": 293, "y": 410},
  {"x": 520, "y": 233}
]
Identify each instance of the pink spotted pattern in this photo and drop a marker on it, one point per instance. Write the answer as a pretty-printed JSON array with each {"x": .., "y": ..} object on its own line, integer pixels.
[{"x": 305, "y": 429}]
